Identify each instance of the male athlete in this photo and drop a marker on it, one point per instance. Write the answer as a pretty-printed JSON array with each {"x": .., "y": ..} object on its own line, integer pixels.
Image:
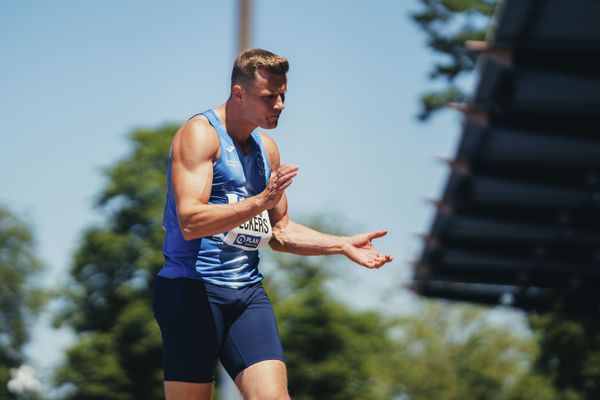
[{"x": 225, "y": 200}]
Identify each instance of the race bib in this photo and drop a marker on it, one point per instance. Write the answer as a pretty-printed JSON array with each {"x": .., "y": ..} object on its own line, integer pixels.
[{"x": 251, "y": 235}]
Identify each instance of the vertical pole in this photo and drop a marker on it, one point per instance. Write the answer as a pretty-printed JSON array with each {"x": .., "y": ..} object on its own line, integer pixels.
[{"x": 244, "y": 25}]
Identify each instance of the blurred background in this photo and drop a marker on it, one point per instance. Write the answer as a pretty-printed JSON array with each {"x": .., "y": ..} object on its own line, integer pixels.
[{"x": 91, "y": 95}]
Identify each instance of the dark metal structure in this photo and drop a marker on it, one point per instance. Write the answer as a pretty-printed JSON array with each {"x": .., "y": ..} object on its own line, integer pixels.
[{"x": 519, "y": 219}]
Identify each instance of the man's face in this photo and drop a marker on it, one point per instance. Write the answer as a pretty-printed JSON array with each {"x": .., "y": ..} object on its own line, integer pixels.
[{"x": 264, "y": 98}]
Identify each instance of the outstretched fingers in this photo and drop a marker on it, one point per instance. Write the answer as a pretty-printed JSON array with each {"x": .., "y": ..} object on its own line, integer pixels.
[
  {"x": 374, "y": 263},
  {"x": 379, "y": 260},
  {"x": 368, "y": 258},
  {"x": 375, "y": 259}
]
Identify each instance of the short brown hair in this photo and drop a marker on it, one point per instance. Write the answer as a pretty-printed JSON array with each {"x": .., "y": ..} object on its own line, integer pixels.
[{"x": 251, "y": 60}]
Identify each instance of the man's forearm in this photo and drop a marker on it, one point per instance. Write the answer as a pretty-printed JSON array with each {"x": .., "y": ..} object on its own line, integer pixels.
[
  {"x": 208, "y": 219},
  {"x": 301, "y": 240}
]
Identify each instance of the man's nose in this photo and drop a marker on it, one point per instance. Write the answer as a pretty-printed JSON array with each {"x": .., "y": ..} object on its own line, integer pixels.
[{"x": 279, "y": 103}]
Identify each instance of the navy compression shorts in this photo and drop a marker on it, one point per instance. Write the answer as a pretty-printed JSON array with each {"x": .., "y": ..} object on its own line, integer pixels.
[{"x": 200, "y": 322}]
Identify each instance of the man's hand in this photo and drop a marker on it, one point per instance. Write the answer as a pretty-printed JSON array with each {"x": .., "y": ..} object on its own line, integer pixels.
[
  {"x": 359, "y": 249},
  {"x": 279, "y": 181}
]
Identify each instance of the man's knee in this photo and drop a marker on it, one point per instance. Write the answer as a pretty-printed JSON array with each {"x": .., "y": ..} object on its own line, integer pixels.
[
  {"x": 266, "y": 391},
  {"x": 269, "y": 395}
]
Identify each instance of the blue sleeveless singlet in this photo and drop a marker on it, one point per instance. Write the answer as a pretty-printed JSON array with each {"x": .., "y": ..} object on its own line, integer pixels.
[{"x": 209, "y": 258}]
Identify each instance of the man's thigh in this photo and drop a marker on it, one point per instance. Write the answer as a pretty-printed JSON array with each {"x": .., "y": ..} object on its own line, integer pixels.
[
  {"x": 189, "y": 331},
  {"x": 253, "y": 336}
]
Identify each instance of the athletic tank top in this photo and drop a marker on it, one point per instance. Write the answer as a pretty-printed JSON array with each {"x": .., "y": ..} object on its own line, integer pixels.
[{"x": 235, "y": 175}]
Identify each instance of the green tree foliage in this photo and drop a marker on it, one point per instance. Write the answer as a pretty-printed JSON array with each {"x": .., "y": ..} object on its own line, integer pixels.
[
  {"x": 454, "y": 352},
  {"x": 20, "y": 295},
  {"x": 570, "y": 354},
  {"x": 444, "y": 351},
  {"x": 532, "y": 386},
  {"x": 122, "y": 363},
  {"x": 447, "y": 25},
  {"x": 108, "y": 301},
  {"x": 567, "y": 365},
  {"x": 332, "y": 351}
]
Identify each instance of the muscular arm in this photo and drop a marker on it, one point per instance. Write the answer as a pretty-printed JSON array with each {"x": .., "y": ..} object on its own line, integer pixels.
[
  {"x": 195, "y": 148},
  {"x": 292, "y": 237}
]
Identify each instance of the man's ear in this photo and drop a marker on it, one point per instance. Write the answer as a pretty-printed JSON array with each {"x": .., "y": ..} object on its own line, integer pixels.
[{"x": 237, "y": 93}]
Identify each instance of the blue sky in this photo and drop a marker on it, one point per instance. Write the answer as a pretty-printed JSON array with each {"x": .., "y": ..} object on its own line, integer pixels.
[{"x": 76, "y": 77}]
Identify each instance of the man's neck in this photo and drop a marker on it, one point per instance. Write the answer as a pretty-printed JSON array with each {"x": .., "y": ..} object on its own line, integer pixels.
[{"x": 234, "y": 123}]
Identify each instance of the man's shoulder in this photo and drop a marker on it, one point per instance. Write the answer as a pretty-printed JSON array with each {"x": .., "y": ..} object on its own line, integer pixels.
[
  {"x": 198, "y": 134},
  {"x": 270, "y": 147}
]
